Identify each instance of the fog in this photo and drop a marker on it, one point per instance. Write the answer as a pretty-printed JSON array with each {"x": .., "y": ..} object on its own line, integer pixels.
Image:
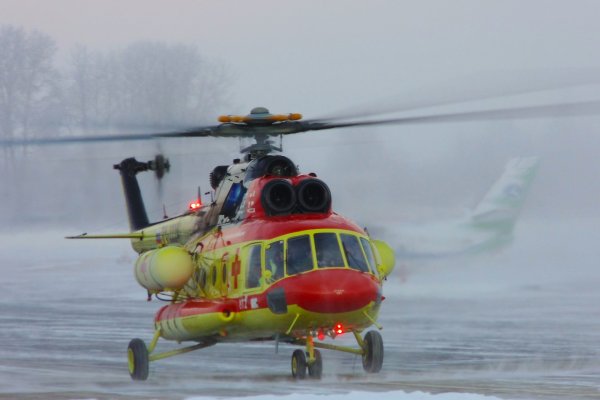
[
  {"x": 323, "y": 59},
  {"x": 345, "y": 57}
]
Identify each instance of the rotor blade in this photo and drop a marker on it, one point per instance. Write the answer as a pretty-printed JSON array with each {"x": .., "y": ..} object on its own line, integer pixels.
[
  {"x": 223, "y": 130},
  {"x": 548, "y": 110},
  {"x": 195, "y": 132},
  {"x": 474, "y": 87}
]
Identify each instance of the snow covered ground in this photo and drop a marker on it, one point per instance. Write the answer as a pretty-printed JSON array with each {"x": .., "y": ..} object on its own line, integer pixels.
[{"x": 520, "y": 324}]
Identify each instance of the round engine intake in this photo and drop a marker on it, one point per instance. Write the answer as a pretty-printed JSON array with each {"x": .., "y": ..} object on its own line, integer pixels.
[
  {"x": 278, "y": 197},
  {"x": 313, "y": 196}
]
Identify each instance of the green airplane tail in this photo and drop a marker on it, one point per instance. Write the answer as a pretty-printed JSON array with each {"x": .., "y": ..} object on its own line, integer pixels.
[{"x": 500, "y": 207}]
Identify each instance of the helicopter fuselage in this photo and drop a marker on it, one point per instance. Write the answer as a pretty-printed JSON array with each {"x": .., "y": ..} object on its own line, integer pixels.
[
  {"x": 268, "y": 259},
  {"x": 236, "y": 293}
]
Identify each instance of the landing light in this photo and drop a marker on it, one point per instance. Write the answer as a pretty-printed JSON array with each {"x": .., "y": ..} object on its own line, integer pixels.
[{"x": 195, "y": 205}]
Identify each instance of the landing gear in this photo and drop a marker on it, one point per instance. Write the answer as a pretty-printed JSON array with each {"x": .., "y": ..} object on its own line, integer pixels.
[
  {"x": 298, "y": 365},
  {"x": 370, "y": 349},
  {"x": 137, "y": 357},
  {"x": 316, "y": 368},
  {"x": 372, "y": 357}
]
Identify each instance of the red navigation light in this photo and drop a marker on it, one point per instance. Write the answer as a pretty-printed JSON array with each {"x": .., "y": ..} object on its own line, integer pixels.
[
  {"x": 195, "y": 205},
  {"x": 339, "y": 329},
  {"x": 321, "y": 334}
]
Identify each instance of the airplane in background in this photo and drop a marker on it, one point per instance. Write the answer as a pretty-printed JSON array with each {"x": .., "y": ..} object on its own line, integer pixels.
[{"x": 488, "y": 227}]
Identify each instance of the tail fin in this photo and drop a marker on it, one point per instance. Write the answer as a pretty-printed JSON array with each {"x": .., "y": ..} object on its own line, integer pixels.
[{"x": 500, "y": 207}]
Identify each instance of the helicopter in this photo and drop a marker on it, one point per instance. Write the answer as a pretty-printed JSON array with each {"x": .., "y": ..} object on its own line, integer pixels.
[{"x": 268, "y": 258}]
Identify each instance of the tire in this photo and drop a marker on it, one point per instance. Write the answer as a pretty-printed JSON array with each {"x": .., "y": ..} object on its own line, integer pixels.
[
  {"x": 315, "y": 370},
  {"x": 372, "y": 357},
  {"x": 137, "y": 357},
  {"x": 298, "y": 365}
]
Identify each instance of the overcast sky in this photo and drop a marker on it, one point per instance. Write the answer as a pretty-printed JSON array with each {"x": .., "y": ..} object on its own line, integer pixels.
[
  {"x": 307, "y": 55},
  {"x": 317, "y": 57}
]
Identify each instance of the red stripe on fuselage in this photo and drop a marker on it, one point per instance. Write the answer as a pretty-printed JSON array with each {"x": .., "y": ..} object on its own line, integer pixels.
[{"x": 326, "y": 291}]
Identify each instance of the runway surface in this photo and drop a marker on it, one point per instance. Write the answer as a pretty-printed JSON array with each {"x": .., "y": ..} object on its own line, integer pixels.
[{"x": 523, "y": 324}]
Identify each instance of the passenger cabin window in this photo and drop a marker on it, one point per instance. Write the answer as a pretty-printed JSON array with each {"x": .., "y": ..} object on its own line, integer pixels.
[
  {"x": 328, "y": 250},
  {"x": 214, "y": 275},
  {"x": 354, "y": 254},
  {"x": 274, "y": 260},
  {"x": 369, "y": 252},
  {"x": 253, "y": 270},
  {"x": 299, "y": 255}
]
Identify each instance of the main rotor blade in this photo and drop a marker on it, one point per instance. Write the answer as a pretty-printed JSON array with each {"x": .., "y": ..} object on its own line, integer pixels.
[
  {"x": 581, "y": 108},
  {"x": 197, "y": 132},
  {"x": 539, "y": 111},
  {"x": 475, "y": 87}
]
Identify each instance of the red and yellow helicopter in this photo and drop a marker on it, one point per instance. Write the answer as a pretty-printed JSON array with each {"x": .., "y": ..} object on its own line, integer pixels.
[{"x": 268, "y": 258}]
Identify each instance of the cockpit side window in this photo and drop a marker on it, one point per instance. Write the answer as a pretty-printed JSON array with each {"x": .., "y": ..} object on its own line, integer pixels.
[
  {"x": 253, "y": 270},
  {"x": 328, "y": 250},
  {"x": 299, "y": 255},
  {"x": 274, "y": 260},
  {"x": 354, "y": 254},
  {"x": 369, "y": 253}
]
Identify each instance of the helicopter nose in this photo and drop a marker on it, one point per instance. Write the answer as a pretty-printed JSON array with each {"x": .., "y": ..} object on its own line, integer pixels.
[{"x": 333, "y": 291}]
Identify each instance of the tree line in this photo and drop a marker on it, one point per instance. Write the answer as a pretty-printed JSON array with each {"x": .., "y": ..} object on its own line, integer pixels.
[{"x": 145, "y": 85}]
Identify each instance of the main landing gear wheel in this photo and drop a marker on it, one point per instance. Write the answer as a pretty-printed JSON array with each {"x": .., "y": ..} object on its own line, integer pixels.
[
  {"x": 298, "y": 364},
  {"x": 372, "y": 357},
  {"x": 315, "y": 370},
  {"x": 137, "y": 357}
]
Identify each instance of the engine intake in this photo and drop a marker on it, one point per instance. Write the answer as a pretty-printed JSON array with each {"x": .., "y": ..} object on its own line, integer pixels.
[
  {"x": 313, "y": 196},
  {"x": 278, "y": 197}
]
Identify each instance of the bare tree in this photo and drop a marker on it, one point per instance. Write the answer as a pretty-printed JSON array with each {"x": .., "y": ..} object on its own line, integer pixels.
[
  {"x": 29, "y": 82},
  {"x": 147, "y": 84}
]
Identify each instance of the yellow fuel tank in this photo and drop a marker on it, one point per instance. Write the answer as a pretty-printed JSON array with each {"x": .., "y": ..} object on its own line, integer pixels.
[{"x": 167, "y": 268}]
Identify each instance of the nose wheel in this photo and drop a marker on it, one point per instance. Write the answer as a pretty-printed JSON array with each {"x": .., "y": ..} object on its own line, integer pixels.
[
  {"x": 315, "y": 369},
  {"x": 301, "y": 365},
  {"x": 310, "y": 363}
]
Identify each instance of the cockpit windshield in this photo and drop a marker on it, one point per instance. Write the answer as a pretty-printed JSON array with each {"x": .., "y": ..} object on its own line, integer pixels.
[
  {"x": 328, "y": 250},
  {"x": 299, "y": 255},
  {"x": 354, "y": 254},
  {"x": 369, "y": 253}
]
